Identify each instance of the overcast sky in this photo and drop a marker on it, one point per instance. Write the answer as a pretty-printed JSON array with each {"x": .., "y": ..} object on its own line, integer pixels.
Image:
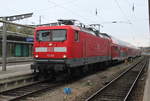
[{"x": 131, "y": 15}]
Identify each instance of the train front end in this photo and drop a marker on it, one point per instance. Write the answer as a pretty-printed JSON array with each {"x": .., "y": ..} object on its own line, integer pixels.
[{"x": 51, "y": 49}]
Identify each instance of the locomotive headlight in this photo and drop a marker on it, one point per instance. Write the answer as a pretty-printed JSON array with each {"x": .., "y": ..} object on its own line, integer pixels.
[
  {"x": 50, "y": 44},
  {"x": 36, "y": 56},
  {"x": 64, "y": 56}
]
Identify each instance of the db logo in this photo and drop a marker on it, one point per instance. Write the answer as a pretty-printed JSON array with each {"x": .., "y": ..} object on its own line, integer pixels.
[{"x": 50, "y": 49}]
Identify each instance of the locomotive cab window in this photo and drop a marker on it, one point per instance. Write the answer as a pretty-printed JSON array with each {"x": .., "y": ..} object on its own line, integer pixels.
[
  {"x": 51, "y": 35},
  {"x": 76, "y": 36},
  {"x": 58, "y": 35}
]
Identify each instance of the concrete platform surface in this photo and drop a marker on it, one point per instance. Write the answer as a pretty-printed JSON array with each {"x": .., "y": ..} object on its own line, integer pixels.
[
  {"x": 15, "y": 70},
  {"x": 147, "y": 86},
  {"x": 17, "y": 59}
]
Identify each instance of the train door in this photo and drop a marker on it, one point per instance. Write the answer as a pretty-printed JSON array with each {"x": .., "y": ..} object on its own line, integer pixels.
[
  {"x": 76, "y": 46},
  {"x": 84, "y": 50},
  {"x": 109, "y": 49},
  {"x": 115, "y": 52}
]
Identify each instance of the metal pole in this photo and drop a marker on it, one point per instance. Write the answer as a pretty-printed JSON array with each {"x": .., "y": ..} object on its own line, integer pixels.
[
  {"x": 4, "y": 46},
  {"x": 149, "y": 12},
  {"x": 99, "y": 28},
  {"x": 40, "y": 20}
]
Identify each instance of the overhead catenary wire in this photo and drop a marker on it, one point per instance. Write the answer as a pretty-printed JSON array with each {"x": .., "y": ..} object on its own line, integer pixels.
[
  {"x": 90, "y": 16},
  {"x": 85, "y": 10},
  {"x": 70, "y": 2},
  {"x": 131, "y": 5},
  {"x": 121, "y": 10},
  {"x": 126, "y": 17},
  {"x": 71, "y": 11},
  {"x": 60, "y": 6}
]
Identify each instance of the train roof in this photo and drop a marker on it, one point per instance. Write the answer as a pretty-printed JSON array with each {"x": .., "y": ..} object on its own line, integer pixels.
[
  {"x": 122, "y": 43},
  {"x": 119, "y": 42}
]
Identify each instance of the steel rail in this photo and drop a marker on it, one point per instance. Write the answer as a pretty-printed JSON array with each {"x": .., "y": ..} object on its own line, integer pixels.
[
  {"x": 11, "y": 97},
  {"x": 16, "y": 81},
  {"x": 2, "y": 92},
  {"x": 50, "y": 87},
  {"x": 112, "y": 81},
  {"x": 138, "y": 76}
]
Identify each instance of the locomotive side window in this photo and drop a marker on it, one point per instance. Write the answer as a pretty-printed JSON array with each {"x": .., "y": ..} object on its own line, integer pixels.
[
  {"x": 51, "y": 35},
  {"x": 76, "y": 36}
]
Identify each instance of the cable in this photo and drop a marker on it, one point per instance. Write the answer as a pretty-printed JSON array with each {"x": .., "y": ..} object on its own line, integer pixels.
[
  {"x": 71, "y": 1},
  {"x": 85, "y": 10},
  {"x": 131, "y": 24},
  {"x": 128, "y": 2},
  {"x": 54, "y": 6},
  {"x": 70, "y": 11},
  {"x": 122, "y": 11}
]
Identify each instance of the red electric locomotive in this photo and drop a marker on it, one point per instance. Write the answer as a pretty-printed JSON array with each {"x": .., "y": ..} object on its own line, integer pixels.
[{"x": 63, "y": 47}]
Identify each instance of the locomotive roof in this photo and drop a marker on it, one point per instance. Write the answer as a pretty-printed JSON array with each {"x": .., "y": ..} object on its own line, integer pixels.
[{"x": 57, "y": 27}]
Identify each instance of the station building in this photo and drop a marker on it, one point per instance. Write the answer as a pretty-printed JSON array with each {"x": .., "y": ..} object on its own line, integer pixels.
[{"x": 18, "y": 44}]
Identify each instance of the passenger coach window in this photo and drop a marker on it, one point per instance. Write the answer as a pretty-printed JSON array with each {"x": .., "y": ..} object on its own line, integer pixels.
[{"x": 76, "y": 36}]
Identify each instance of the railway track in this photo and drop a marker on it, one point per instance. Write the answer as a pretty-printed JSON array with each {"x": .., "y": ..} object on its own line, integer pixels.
[
  {"x": 29, "y": 90},
  {"x": 121, "y": 87},
  {"x": 16, "y": 81}
]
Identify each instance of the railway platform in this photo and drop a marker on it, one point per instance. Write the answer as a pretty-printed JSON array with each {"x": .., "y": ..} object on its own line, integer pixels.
[
  {"x": 17, "y": 59},
  {"x": 14, "y": 70},
  {"x": 147, "y": 86}
]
